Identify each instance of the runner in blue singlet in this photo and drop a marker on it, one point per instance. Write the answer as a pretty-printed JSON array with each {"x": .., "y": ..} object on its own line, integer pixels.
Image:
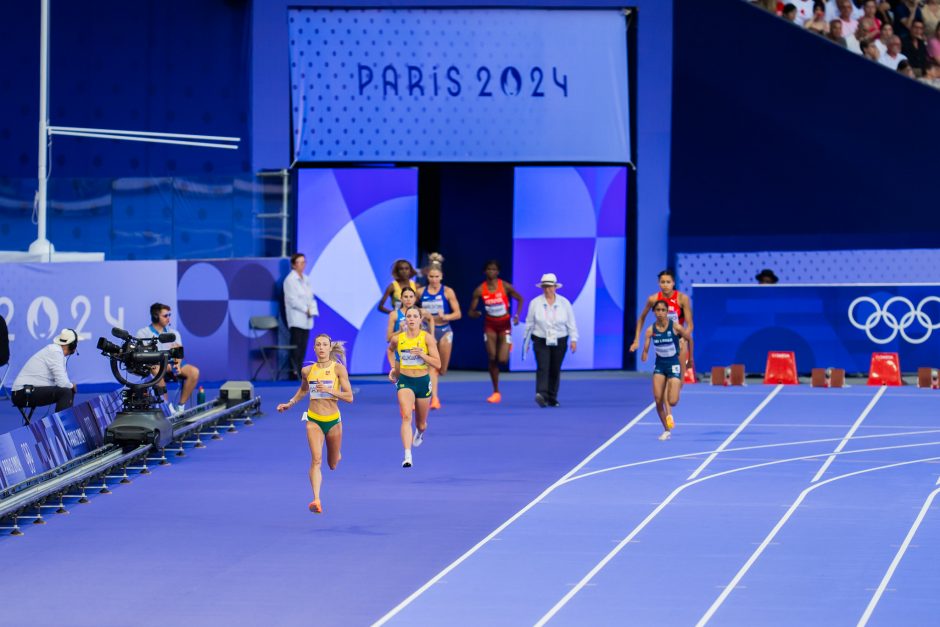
[
  {"x": 667, "y": 371},
  {"x": 441, "y": 303}
]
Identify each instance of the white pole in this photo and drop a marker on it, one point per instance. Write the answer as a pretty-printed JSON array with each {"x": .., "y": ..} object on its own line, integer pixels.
[
  {"x": 111, "y": 131},
  {"x": 285, "y": 199},
  {"x": 134, "y": 138},
  {"x": 42, "y": 245}
]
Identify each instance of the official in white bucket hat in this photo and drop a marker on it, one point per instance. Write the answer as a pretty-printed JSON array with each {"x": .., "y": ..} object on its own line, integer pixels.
[{"x": 551, "y": 326}]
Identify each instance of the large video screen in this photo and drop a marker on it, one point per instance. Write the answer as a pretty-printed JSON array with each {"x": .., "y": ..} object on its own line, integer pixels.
[
  {"x": 572, "y": 221},
  {"x": 481, "y": 85},
  {"x": 352, "y": 224}
]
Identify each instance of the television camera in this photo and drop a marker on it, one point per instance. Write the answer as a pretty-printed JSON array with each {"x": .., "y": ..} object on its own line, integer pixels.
[{"x": 141, "y": 421}]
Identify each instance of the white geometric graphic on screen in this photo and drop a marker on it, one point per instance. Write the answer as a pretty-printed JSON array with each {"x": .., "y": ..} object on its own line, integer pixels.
[
  {"x": 895, "y": 324},
  {"x": 344, "y": 276},
  {"x": 584, "y": 305}
]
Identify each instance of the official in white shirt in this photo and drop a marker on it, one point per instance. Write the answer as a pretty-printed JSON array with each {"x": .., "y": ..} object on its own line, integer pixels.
[
  {"x": 551, "y": 326},
  {"x": 45, "y": 373},
  {"x": 301, "y": 307}
]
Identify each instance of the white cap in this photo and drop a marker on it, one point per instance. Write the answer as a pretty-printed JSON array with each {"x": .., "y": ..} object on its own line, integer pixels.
[{"x": 548, "y": 278}]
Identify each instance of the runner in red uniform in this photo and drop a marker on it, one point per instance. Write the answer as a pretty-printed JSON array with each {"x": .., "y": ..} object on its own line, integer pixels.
[
  {"x": 497, "y": 324},
  {"x": 680, "y": 312}
]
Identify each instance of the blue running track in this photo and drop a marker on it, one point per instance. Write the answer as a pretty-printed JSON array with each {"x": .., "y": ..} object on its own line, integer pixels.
[{"x": 770, "y": 505}]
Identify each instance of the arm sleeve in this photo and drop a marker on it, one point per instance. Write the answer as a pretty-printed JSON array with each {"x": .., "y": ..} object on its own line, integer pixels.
[
  {"x": 572, "y": 325},
  {"x": 294, "y": 298},
  {"x": 57, "y": 369}
]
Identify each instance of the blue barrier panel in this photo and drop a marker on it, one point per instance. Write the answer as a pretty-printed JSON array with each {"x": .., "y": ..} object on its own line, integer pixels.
[
  {"x": 826, "y": 325},
  {"x": 75, "y": 437},
  {"x": 53, "y": 440}
]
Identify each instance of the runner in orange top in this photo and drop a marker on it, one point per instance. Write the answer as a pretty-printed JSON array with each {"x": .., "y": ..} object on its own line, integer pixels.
[
  {"x": 497, "y": 323},
  {"x": 680, "y": 312}
]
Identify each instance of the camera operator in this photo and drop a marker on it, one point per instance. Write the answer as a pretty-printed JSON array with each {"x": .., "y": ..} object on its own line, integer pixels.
[
  {"x": 160, "y": 315},
  {"x": 45, "y": 373}
]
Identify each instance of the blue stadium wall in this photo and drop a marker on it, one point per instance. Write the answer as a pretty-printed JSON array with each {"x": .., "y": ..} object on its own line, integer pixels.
[{"x": 783, "y": 141}]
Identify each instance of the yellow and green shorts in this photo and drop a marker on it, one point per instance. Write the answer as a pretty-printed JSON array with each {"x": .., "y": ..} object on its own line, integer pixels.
[{"x": 324, "y": 422}]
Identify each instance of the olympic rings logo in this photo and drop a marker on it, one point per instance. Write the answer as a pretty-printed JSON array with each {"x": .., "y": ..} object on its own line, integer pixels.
[{"x": 896, "y": 325}]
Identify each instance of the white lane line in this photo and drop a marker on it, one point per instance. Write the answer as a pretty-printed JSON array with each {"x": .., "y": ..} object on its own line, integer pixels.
[
  {"x": 414, "y": 595},
  {"x": 876, "y": 597},
  {"x": 848, "y": 436},
  {"x": 780, "y": 523},
  {"x": 735, "y": 433},
  {"x": 636, "y": 530},
  {"x": 749, "y": 448}
]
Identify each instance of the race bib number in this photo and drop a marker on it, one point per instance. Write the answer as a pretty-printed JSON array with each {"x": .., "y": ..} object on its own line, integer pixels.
[
  {"x": 496, "y": 310},
  {"x": 414, "y": 361},
  {"x": 677, "y": 369},
  {"x": 666, "y": 349},
  {"x": 433, "y": 307},
  {"x": 314, "y": 394}
]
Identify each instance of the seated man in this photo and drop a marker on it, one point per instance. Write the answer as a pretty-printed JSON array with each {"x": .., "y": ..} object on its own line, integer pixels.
[
  {"x": 160, "y": 323},
  {"x": 45, "y": 372}
]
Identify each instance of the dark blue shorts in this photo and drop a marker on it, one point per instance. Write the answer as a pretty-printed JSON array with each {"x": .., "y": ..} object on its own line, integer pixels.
[{"x": 669, "y": 368}]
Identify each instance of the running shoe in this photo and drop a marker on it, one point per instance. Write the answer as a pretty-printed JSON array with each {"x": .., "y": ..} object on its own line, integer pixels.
[
  {"x": 407, "y": 462},
  {"x": 435, "y": 403},
  {"x": 670, "y": 423},
  {"x": 665, "y": 436},
  {"x": 315, "y": 507},
  {"x": 495, "y": 397},
  {"x": 418, "y": 438},
  {"x": 554, "y": 404},
  {"x": 540, "y": 401}
]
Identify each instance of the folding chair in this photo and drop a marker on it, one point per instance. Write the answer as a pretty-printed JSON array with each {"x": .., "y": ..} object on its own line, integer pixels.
[
  {"x": 263, "y": 324},
  {"x": 23, "y": 401}
]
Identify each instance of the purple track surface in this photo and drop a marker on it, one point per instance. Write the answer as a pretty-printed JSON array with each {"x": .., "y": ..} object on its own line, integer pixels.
[
  {"x": 223, "y": 536},
  {"x": 745, "y": 517}
]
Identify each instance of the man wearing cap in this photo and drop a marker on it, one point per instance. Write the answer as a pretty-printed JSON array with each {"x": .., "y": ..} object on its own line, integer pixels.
[
  {"x": 551, "y": 326},
  {"x": 45, "y": 373},
  {"x": 766, "y": 277}
]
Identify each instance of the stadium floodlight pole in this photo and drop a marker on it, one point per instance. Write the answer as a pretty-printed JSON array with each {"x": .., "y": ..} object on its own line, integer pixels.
[{"x": 43, "y": 246}]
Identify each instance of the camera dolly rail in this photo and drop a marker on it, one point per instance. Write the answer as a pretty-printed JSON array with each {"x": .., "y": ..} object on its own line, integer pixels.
[{"x": 27, "y": 499}]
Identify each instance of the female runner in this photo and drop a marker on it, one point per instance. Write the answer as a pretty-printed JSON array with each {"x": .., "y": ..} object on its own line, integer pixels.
[
  {"x": 679, "y": 311},
  {"x": 396, "y": 318},
  {"x": 667, "y": 373},
  {"x": 441, "y": 302},
  {"x": 326, "y": 382},
  {"x": 497, "y": 332},
  {"x": 402, "y": 274},
  {"x": 415, "y": 350}
]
